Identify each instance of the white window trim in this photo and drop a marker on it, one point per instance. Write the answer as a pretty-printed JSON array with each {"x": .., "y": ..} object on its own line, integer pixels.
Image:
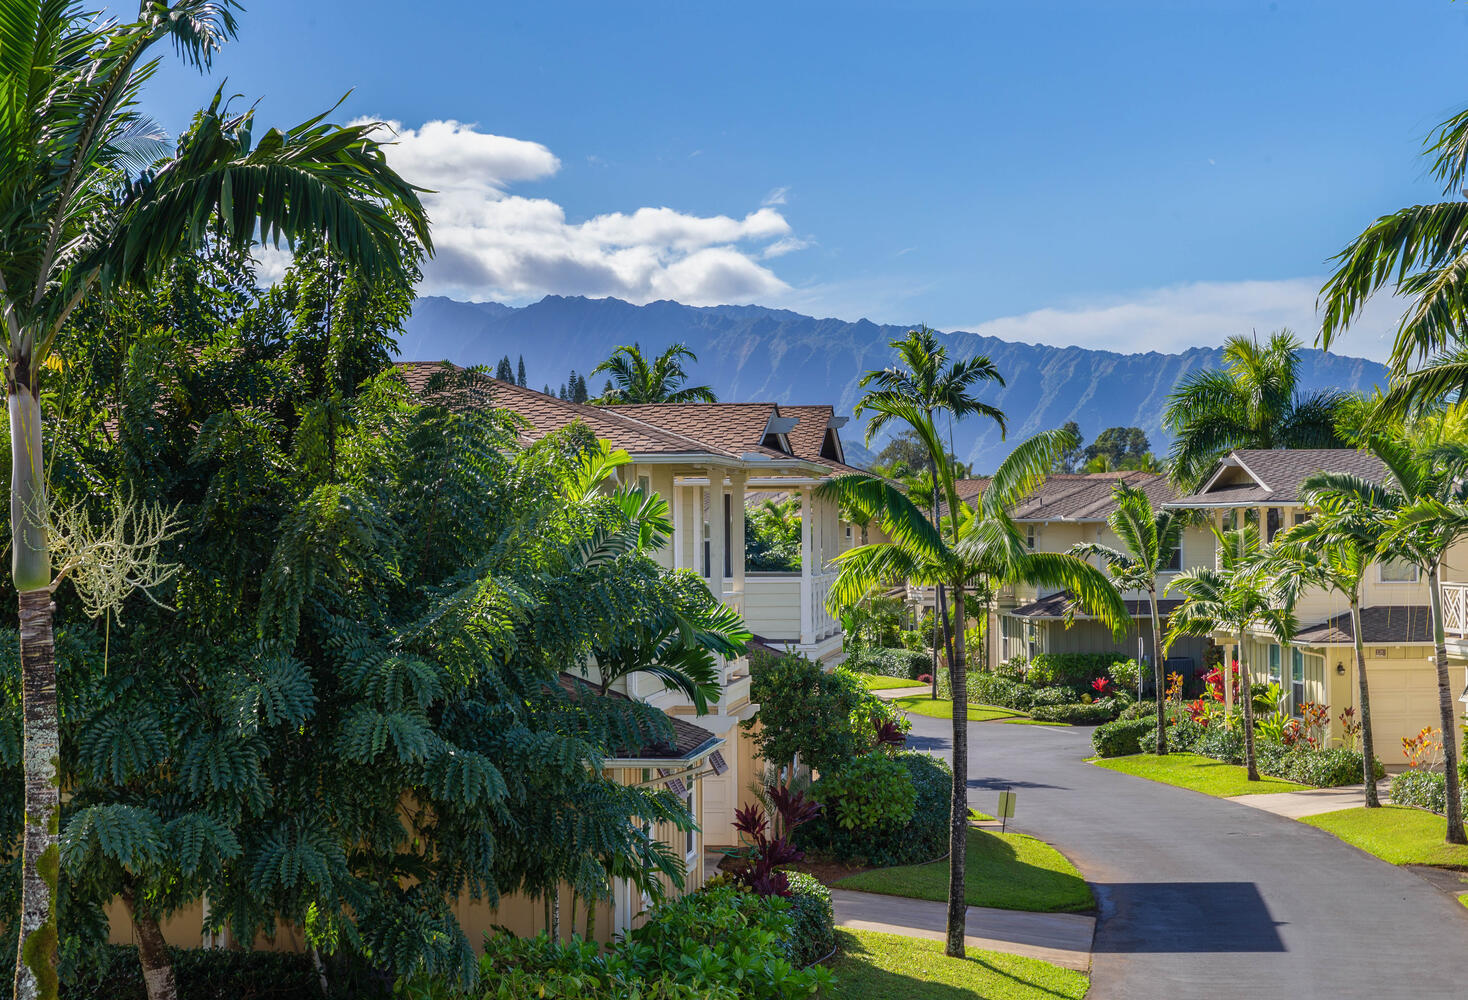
[{"x": 1381, "y": 575}]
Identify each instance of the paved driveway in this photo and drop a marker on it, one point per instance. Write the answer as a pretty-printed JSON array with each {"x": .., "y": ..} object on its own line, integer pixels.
[{"x": 1203, "y": 898}]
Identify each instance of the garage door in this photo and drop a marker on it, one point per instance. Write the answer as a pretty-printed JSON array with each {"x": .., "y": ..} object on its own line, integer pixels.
[{"x": 1403, "y": 700}]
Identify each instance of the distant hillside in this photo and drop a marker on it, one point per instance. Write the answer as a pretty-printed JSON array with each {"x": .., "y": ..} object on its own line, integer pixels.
[{"x": 750, "y": 352}]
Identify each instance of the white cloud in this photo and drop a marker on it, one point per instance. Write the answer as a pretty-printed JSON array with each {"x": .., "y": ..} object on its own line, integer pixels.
[
  {"x": 788, "y": 244},
  {"x": 776, "y": 197},
  {"x": 1198, "y": 313},
  {"x": 492, "y": 244}
]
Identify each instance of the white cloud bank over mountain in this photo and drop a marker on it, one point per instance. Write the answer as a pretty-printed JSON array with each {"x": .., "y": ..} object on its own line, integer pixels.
[
  {"x": 491, "y": 244},
  {"x": 1198, "y": 313}
]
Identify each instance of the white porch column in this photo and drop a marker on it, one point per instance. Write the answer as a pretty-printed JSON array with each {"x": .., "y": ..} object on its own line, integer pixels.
[
  {"x": 716, "y": 532},
  {"x": 692, "y": 530},
  {"x": 675, "y": 504},
  {"x": 807, "y": 565},
  {"x": 737, "y": 482}
]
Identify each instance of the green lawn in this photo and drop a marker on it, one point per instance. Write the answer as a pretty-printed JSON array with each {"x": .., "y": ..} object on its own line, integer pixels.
[
  {"x": 1463, "y": 898},
  {"x": 1394, "y": 833},
  {"x": 1005, "y": 870},
  {"x": 1201, "y": 774},
  {"x": 873, "y": 966},
  {"x": 942, "y": 708},
  {"x": 879, "y": 682}
]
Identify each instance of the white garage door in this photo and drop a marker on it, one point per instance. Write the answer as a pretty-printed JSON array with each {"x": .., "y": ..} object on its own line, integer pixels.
[{"x": 1403, "y": 700}]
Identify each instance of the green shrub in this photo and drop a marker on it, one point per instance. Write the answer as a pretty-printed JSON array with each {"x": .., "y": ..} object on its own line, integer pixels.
[
  {"x": 1054, "y": 696},
  {"x": 813, "y": 922},
  {"x": 1140, "y": 710},
  {"x": 924, "y": 838},
  {"x": 1078, "y": 714},
  {"x": 996, "y": 689},
  {"x": 1183, "y": 736},
  {"x": 524, "y": 968},
  {"x": 1123, "y": 737},
  {"x": 1125, "y": 674},
  {"x": 1222, "y": 744},
  {"x": 1328, "y": 768},
  {"x": 806, "y": 710},
  {"x": 888, "y": 662},
  {"x": 718, "y": 937},
  {"x": 1076, "y": 670},
  {"x": 870, "y": 793},
  {"x": 1423, "y": 789},
  {"x": 112, "y": 972}
]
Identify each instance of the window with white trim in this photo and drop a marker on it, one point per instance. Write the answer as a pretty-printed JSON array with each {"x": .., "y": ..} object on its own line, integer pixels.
[
  {"x": 1397, "y": 571},
  {"x": 1030, "y": 537},
  {"x": 1297, "y": 680}
]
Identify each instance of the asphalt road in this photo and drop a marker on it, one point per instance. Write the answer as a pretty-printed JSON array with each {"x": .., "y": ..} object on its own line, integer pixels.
[{"x": 1203, "y": 898}]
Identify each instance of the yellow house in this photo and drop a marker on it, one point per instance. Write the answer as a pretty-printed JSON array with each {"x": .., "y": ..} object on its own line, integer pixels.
[{"x": 1264, "y": 485}]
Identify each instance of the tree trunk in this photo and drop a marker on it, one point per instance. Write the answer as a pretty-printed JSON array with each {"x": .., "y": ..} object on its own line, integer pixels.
[
  {"x": 958, "y": 810},
  {"x": 1455, "y": 834},
  {"x": 938, "y": 626},
  {"x": 152, "y": 953},
  {"x": 1368, "y": 746},
  {"x": 35, "y": 967},
  {"x": 946, "y": 631},
  {"x": 1157, "y": 677},
  {"x": 1246, "y": 691}
]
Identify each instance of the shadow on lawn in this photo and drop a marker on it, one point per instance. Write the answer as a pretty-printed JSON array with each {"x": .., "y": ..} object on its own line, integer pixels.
[
  {"x": 874, "y": 982},
  {"x": 1186, "y": 917}
]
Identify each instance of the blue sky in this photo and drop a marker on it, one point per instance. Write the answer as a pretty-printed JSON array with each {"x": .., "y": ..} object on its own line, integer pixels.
[{"x": 1128, "y": 175}]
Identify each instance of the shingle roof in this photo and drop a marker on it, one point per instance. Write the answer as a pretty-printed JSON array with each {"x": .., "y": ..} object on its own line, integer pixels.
[
  {"x": 1057, "y": 606},
  {"x": 808, "y": 437},
  {"x": 689, "y": 741},
  {"x": 1081, "y": 496},
  {"x": 1380, "y": 625},
  {"x": 1273, "y": 477},
  {"x": 736, "y": 428},
  {"x": 654, "y": 432}
]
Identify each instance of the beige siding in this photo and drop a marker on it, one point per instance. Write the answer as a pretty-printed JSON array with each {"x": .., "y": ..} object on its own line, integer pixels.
[{"x": 772, "y": 605}]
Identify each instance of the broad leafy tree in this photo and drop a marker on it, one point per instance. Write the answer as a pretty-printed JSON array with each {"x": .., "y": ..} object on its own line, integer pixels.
[
  {"x": 636, "y": 379},
  {"x": 91, "y": 200},
  {"x": 1149, "y": 539},
  {"x": 972, "y": 547},
  {"x": 1254, "y": 401}
]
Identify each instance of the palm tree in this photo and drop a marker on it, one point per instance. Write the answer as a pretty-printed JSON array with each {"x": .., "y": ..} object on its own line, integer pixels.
[
  {"x": 1424, "y": 482},
  {"x": 1149, "y": 538},
  {"x": 977, "y": 546},
  {"x": 1339, "y": 541},
  {"x": 1253, "y": 402},
  {"x": 661, "y": 381},
  {"x": 1420, "y": 252},
  {"x": 925, "y": 383},
  {"x": 92, "y": 200},
  {"x": 1233, "y": 597}
]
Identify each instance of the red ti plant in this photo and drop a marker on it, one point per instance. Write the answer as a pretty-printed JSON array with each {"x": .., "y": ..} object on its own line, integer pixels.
[
  {"x": 887, "y": 733},
  {"x": 1101, "y": 684},
  {"x": 1198, "y": 711},
  {"x": 770, "y": 849}
]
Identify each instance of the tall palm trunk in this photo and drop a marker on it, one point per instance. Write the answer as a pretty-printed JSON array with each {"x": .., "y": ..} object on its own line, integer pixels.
[
  {"x": 1157, "y": 677},
  {"x": 1368, "y": 746},
  {"x": 1246, "y": 691},
  {"x": 1455, "y": 834},
  {"x": 958, "y": 808},
  {"x": 158, "y": 977},
  {"x": 938, "y": 590},
  {"x": 35, "y": 968}
]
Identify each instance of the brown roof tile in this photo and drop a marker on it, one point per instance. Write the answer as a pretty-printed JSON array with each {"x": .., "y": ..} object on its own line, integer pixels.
[
  {"x": 1274, "y": 476},
  {"x": 1081, "y": 496},
  {"x": 1059, "y": 605},
  {"x": 1380, "y": 625},
  {"x": 689, "y": 741}
]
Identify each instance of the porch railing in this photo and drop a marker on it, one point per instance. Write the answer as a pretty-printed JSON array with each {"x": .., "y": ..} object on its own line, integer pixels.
[{"x": 1455, "y": 609}]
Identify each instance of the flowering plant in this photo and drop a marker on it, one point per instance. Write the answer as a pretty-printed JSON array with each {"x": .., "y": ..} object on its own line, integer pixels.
[
  {"x": 1350, "y": 728},
  {"x": 1423, "y": 751},
  {"x": 1100, "y": 684}
]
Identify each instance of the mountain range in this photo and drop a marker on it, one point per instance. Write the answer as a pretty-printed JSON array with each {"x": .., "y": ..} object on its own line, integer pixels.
[{"x": 755, "y": 353}]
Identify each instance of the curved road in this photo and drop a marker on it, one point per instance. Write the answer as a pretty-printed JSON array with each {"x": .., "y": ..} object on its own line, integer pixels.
[{"x": 1204, "y": 898}]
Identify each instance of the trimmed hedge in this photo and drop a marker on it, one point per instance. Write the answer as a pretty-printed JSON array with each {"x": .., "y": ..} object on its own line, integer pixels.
[
  {"x": 1055, "y": 696},
  {"x": 814, "y": 929},
  {"x": 1146, "y": 709},
  {"x": 1072, "y": 669},
  {"x": 1078, "y": 714},
  {"x": 996, "y": 689},
  {"x": 1123, "y": 737},
  {"x": 1305, "y": 765},
  {"x": 906, "y": 663},
  {"x": 1422, "y": 789}
]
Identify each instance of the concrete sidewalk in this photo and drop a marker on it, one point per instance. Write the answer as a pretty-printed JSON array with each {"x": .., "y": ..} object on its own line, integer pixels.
[
  {"x": 888, "y": 694},
  {"x": 1063, "y": 939},
  {"x": 1312, "y": 802}
]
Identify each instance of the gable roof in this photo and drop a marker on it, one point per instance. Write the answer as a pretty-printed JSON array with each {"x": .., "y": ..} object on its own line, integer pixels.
[
  {"x": 736, "y": 428},
  {"x": 639, "y": 434},
  {"x": 1273, "y": 477},
  {"x": 808, "y": 437},
  {"x": 1073, "y": 496},
  {"x": 689, "y": 742}
]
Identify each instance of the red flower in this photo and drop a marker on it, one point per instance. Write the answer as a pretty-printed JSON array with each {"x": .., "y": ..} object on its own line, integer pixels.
[{"x": 1100, "y": 684}]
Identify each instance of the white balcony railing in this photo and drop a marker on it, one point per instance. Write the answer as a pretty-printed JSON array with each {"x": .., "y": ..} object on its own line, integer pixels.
[
  {"x": 788, "y": 607},
  {"x": 1455, "y": 609}
]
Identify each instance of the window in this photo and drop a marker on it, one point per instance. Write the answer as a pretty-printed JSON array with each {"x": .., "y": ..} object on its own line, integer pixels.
[
  {"x": 1297, "y": 681},
  {"x": 1397, "y": 571},
  {"x": 728, "y": 531},
  {"x": 1273, "y": 521},
  {"x": 692, "y": 833},
  {"x": 644, "y": 483},
  {"x": 1174, "y": 562},
  {"x": 1030, "y": 537},
  {"x": 1274, "y": 665}
]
